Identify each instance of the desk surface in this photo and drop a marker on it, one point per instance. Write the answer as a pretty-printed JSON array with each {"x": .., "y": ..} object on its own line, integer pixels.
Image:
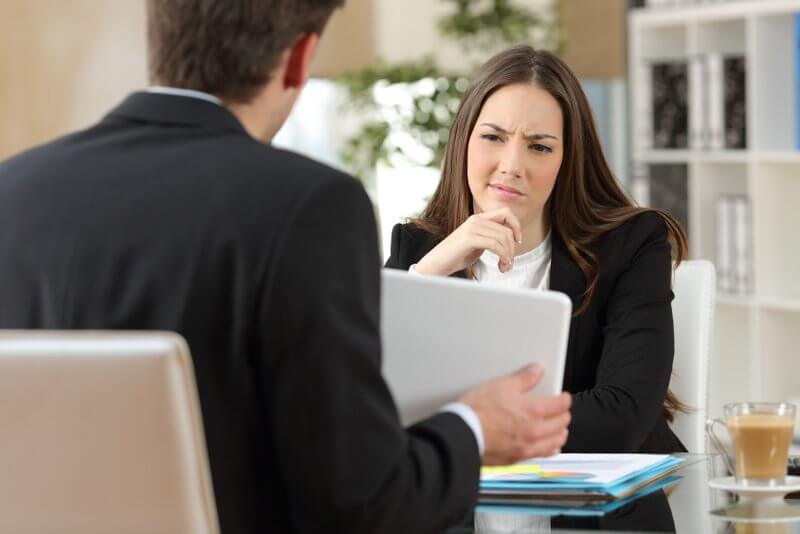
[{"x": 686, "y": 506}]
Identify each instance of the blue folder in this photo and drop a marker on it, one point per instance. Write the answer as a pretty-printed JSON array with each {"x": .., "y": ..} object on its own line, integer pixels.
[{"x": 586, "y": 510}]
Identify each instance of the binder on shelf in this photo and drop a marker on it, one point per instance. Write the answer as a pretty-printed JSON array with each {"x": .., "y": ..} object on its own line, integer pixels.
[
  {"x": 670, "y": 104},
  {"x": 669, "y": 190},
  {"x": 723, "y": 262},
  {"x": 735, "y": 102},
  {"x": 716, "y": 102},
  {"x": 734, "y": 245},
  {"x": 698, "y": 98},
  {"x": 663, "y": 186},
  {"x": 743, "y": 249},
  {"x": 644, "y": 107}
]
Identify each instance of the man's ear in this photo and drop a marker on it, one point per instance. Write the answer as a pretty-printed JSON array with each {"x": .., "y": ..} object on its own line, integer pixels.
[{"x": 299, "y": 61}]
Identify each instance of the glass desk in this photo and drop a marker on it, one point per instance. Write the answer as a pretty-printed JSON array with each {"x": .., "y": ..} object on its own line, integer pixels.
[{"x": 689, "y": 505}]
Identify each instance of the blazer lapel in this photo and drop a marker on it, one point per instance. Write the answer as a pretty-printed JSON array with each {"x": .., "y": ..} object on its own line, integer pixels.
[{"x": 565, "y": 275}]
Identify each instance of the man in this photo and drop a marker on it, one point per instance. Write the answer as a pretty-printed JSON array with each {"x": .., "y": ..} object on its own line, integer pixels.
[{"x": 175, "y": 213}]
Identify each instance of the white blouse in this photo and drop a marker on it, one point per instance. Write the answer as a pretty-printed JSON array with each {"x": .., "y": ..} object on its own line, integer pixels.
[{"x": 531, "y": 270}]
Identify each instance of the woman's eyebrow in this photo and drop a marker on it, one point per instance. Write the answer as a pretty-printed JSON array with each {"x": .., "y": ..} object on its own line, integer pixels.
[{"x": 529, "y": 137}]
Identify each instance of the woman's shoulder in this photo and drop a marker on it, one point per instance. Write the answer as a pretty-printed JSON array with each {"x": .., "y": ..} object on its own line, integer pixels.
[
  {"x": 645, "y": 225},
  {"x": 410, "y": 232},
  {"x": 409, "y": 244},
  {"x": 642, "y": 231}
]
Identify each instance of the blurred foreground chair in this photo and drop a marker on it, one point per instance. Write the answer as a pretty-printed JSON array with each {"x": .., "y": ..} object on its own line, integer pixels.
[{"x": 101, "y": 432}]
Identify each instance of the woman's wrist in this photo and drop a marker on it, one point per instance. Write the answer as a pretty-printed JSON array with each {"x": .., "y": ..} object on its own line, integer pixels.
[{"x": 426, "y": 266}]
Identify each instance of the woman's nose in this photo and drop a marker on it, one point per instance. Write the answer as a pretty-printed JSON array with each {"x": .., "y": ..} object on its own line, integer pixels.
[{"x": 511, "y": 163}]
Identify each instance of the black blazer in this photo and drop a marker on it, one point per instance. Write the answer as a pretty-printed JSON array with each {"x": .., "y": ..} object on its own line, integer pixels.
[
  {"x": 619, "y": 356},
  {"x": 167, "y": 215}
]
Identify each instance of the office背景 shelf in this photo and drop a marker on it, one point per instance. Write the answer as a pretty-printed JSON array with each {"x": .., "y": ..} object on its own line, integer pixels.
[{"x": 757, "y": 326}]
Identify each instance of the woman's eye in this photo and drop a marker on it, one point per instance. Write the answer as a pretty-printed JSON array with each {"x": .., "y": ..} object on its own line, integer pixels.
[
  {"x": 490, "y": 137},
  {"x": 541, "y": 148}
]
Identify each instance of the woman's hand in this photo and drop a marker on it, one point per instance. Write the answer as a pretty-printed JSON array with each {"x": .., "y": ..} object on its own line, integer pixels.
[{"x": 497, "y": 231}]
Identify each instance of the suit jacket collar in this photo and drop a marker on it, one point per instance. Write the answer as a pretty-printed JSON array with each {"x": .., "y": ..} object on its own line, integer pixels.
[
  {"x": 177, "y": 110},
  {"x": 565, "y": 275}
]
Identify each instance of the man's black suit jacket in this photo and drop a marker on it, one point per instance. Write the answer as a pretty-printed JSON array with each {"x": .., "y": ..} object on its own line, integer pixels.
[
  {"x": 167, "y": 215},
  {"x": 619, "y": 356}
]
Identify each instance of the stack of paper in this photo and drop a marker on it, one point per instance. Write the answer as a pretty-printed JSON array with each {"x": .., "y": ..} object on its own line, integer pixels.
[{"x": 577, "y": 479}]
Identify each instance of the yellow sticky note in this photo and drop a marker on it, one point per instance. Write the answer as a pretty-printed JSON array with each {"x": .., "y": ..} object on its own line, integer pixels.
[{"x": 516, "y": 469}]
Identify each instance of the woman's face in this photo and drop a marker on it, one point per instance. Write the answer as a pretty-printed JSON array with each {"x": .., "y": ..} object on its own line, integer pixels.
[{"x": 515, "y": 151}]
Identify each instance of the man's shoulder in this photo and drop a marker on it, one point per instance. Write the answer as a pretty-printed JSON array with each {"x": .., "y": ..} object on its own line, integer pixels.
[
  {"x": 40, "y": 152},
  {"x": 293, "y": 170}
]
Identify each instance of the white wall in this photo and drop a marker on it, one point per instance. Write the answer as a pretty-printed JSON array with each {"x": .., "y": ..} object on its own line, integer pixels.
[
  {"x": 406, "y": 30},
  {"x": 63, "y": 64}
]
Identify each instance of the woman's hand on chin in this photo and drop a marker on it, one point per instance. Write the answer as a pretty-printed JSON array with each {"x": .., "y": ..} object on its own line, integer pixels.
[{"x": 497, "y": 231}]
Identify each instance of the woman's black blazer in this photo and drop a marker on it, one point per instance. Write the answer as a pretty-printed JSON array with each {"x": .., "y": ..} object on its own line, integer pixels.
[{"x": 619, "y": 357}]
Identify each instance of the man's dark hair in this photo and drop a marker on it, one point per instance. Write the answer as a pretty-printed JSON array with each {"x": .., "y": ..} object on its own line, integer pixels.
[{"x": 226, "y": 47}]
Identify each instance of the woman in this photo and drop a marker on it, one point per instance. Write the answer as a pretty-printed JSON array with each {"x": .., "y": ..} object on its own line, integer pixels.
[{"x": 526, "y": 199}]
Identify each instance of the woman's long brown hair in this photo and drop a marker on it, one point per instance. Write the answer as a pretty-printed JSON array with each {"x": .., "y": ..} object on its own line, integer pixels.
[{"x": 586, "y": 202}]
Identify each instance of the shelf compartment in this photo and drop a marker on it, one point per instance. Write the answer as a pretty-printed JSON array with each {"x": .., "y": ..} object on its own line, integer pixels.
[
  {"x": 775, "y": 356},
  {"x": 772, "y": 87},
  {"x": 707, "y": 181},
  {"x": 725, "y": 37},
  {"x": 776, "y": 219},
  {"x": 662, "y": 43}
]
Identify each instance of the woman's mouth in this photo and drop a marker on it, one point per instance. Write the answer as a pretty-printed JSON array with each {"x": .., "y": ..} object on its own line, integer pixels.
[{"x": 505, "y": 191}]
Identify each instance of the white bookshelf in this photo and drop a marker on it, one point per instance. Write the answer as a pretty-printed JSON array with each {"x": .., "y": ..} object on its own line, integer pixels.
[{"x": 756, "y": 349}]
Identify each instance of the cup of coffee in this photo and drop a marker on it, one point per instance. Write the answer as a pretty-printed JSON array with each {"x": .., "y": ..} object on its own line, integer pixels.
[{"x": 761, "y": 433}]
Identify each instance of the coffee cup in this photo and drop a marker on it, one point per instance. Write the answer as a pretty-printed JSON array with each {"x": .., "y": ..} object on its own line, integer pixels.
[{"x": 761, "y": 433}]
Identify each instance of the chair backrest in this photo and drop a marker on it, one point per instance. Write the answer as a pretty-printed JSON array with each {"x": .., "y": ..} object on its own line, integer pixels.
[
  {"x": 101, "y": 432},
  {"x": 694, "y": 286}
]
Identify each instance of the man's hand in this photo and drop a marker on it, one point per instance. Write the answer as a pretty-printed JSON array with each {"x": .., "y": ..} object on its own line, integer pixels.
[{"x": 517, "y": 425}]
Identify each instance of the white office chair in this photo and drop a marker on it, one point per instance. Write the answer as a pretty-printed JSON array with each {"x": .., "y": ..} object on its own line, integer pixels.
[
  {"x": 101, "y": 432},
  {"x": 693, "y": 315}
]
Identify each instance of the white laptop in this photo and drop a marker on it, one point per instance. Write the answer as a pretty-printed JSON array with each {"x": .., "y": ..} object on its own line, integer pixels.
[
  {"x": 443, "y": 335},
  {"x": 101, "y": 433}
]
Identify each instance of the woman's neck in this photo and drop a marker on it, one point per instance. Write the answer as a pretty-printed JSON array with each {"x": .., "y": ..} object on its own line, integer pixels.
[{"x": 533, "y": 233}]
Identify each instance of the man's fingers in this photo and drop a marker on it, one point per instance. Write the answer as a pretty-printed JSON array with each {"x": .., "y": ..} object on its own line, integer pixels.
[
  {"x": 549, "y": 405},
  {"x": 527, "y": 377},
  {"x": 547, "y": 446},
  {"x": 545, "y": 428}
]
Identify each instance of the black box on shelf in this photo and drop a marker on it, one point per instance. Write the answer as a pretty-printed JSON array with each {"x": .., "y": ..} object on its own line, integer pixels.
[
  {"x": 663, "y": 186},
  {"x": 670, "y": 94}
]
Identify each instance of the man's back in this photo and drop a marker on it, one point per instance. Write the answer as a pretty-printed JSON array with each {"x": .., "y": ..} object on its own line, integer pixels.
[{"x": 168, "y": 216}]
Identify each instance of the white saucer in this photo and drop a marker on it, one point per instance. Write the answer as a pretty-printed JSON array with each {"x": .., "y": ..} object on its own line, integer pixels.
[{"x": 790, "y": 485}]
